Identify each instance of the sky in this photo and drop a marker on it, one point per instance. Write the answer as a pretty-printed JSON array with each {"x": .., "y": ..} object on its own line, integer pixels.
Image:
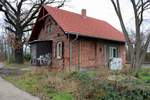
[{"x": 100, "y": 9}]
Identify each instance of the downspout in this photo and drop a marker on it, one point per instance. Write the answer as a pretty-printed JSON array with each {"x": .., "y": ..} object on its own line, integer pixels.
[
  {"x": 75, "y": 38},
  {"x": 70, "y": 48},
  {"x": 79, "y": 51}
]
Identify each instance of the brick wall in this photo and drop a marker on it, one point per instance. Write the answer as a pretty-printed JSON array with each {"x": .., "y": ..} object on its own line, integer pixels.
[
  {"x": 82, "y": 52},
  {"x": 56, "y": 35}
]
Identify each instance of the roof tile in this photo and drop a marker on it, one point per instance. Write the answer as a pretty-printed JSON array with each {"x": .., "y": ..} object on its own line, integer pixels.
[{"x": 85, "y": 26}]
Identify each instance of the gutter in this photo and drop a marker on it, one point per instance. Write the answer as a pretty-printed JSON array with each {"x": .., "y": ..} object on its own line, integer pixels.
[
  {"x": 70, "y": 46},
  {"x": 107, "y": 39}
]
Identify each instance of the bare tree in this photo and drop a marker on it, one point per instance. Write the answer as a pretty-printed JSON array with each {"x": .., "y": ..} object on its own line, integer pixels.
[
  {"x": 1, "y": 49},
  {"x": 137, "y": 50},
  {"x": 20, "y": 14}
]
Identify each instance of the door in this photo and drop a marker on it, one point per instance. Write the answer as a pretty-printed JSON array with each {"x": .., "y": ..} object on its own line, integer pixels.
[{"x": 115, "y": 63}]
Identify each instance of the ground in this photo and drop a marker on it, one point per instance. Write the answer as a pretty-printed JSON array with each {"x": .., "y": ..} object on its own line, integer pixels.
[
  {"x": 99, "y": 84},
  {"x": 10, "y": 92}
]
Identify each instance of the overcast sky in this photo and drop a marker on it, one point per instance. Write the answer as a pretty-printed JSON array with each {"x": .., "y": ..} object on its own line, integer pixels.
[{"x": 100, "y": 9}]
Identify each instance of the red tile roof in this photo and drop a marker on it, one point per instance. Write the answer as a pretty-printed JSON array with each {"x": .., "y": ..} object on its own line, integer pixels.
[{"x": 84, "y": 26}]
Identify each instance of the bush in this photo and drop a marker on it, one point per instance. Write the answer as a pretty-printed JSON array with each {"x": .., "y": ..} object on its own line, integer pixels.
[
  {"x": 27, "y": 57},
  {"x": 107, "y": 90},
  {"x": 10, "y": 59},
  {"x": 93, "y": 88}
]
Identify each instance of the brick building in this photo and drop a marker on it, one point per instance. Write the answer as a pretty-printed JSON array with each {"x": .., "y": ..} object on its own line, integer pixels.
[{"x": 73, "y": 40}]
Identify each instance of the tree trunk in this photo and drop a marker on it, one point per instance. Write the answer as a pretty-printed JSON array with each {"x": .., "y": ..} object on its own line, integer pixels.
[
  {"x": 137, "y": 62},
  {"x": 19, "y": 55}
]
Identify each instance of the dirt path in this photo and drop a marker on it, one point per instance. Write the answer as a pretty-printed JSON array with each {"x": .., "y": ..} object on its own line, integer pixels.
[{"x": 10, "y": 92}]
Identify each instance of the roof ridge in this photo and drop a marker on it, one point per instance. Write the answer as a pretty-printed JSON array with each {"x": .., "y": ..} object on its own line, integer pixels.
[{"x": 75, "y": 13}]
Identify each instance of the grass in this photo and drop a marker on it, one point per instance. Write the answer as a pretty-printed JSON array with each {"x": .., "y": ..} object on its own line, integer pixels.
[
  {"x": 39, "y": 84},
  {"x": 73, "y": 85},
  {"x": 26, "y": 82},
  {"x": 63, "y": 96},
  {"x": 144, "y": 74},
  {"x": 13, "y": 65}
]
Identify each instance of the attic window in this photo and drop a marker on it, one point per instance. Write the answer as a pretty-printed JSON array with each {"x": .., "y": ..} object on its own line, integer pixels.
[
  {"x": 59, "y": 48},
  {"x": 58, "y": 34},
  {"x": 49, "y": 29}
]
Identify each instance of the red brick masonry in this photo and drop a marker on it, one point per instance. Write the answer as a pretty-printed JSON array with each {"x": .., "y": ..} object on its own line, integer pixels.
[{"x": 86, "y": 40}]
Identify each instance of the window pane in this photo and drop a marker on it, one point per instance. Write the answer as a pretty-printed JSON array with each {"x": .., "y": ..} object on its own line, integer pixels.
[
  {"x": 114, "y": 52},
  {"x": 59, "y": 50}
]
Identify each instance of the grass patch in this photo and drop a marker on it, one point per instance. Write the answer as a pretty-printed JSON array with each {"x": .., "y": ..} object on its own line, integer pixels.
[
  {"x": 63, "y": 96},
  {"x": 13, "y": 65},
  {"x": 45, "y": 85},
  {"x": 144, "y": 74}
]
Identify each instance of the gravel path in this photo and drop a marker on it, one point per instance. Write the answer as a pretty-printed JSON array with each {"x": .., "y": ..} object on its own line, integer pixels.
[{"x": 10, "y": 92}]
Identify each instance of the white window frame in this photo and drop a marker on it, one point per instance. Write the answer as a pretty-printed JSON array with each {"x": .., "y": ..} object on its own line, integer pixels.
[
  {"x": 111, "y": 52},
  {"x": 59, "y": 50}
]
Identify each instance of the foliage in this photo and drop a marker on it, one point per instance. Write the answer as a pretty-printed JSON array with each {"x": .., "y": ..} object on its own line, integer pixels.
[
  {"x": 147, "y": 57},
  {"x": 144, "y": 74},
  {"x": 83, "y": 85},
  {"x": 10, "y": 59},
  {"x": 27, "y": 57},
  {"x": 19, "y": 20}
]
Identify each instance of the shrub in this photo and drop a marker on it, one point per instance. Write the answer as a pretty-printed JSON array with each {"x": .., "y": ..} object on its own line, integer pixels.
[
  {"x": 92, "y": 87},
  {"x": 10, "y": 59},
  {"x": 135, "y": 93},
  {"x": 27, "y": 57}
]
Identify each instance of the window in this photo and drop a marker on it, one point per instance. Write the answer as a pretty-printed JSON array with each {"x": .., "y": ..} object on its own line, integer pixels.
[
  {"x": 113, "y": 52},
  {"x": 49, "y": 29},
  {"x": 58, "y": 34},
  {"x": 59, "y": 49}
]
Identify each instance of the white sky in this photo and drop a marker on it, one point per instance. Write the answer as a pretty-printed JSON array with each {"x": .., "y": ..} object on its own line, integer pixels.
[{"x": 100, "y": 9}]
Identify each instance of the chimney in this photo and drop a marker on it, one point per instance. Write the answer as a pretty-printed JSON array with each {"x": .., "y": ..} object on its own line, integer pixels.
[{"x": 83, "y": 12}]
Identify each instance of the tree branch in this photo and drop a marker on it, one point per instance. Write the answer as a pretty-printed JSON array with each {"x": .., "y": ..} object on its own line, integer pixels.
[
  {"x": 118, "y": 12},
  {"x": 27, "y": 30},
  {"x": 10, "y": 29}
]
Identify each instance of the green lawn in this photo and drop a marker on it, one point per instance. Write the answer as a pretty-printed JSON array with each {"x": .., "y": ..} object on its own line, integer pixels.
[{"x": 13, "y": 65}]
